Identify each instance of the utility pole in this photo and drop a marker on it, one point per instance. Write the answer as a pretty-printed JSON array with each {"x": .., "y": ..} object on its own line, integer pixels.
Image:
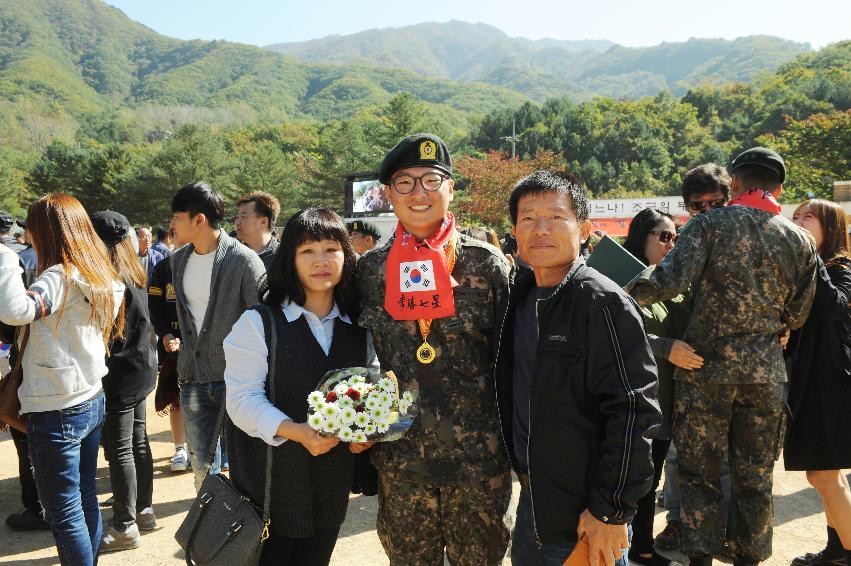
[{"x": 513, "y": 139}]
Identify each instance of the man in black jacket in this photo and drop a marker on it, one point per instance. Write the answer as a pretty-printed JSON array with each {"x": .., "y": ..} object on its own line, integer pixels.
[{"x": 576, "y": 384}]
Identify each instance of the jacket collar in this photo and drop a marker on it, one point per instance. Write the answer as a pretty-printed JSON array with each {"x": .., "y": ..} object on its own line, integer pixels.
[{"x": 522, "y": 279}]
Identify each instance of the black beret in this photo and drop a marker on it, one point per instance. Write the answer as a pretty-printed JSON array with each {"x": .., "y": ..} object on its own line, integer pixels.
[
  {"x": 761, "y": 157},
  {"x": 365, "y": 228},
  {"x": 112, "y": 227},
  {"x": 6, "y": 221},
  {"x": 418, "y": 150}
]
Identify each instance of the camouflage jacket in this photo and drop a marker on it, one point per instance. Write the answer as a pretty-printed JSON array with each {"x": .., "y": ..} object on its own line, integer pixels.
[
  {"x": 749, "y": 271},
  {"x": 456, "y": 436}
]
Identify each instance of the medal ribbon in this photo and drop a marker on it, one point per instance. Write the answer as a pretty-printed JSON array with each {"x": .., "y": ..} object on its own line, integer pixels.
[{"x": 451, "y": 256}]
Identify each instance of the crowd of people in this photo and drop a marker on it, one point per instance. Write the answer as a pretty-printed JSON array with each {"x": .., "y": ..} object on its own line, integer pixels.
[{"x": 732, "y": 345}]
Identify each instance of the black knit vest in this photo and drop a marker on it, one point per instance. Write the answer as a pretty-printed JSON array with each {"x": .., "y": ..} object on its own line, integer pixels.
[{"x": 307, "y": 492}]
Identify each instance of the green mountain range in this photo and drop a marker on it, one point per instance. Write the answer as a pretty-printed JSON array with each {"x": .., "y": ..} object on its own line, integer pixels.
[
  {"x": 84, "y": 55},
  {"x": 548, "y": 68}
]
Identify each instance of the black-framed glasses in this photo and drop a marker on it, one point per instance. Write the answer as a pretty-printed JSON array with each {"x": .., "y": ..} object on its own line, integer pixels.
[
  {"x": 665, "y": 236},
  {"x": 706, "y": 204},
  {"x": 431, "y": 182}
]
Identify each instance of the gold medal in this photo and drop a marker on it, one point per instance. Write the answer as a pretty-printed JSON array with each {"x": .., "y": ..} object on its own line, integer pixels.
[{"x": 425, "y": 353}]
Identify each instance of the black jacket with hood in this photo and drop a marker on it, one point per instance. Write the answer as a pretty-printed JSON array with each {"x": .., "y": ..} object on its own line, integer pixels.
[{"x": 593, "y": 408}]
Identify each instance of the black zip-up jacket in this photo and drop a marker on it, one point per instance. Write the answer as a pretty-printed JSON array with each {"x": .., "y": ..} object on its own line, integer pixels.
[{"x": 593, "y": 408}]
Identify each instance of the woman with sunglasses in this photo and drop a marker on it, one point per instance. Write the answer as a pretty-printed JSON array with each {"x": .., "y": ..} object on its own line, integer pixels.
[
  {"x": 817, "y": 439},
  {"x": 652, "y": 234}
]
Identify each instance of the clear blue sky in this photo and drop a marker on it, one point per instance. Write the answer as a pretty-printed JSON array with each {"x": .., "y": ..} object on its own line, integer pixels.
[{"x": 628, "y": 22}]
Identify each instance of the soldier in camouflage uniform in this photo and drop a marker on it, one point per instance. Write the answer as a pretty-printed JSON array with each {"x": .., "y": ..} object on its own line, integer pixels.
[
  {"x": 446, "y": 484},
  {"x": 750, "y": 270}
]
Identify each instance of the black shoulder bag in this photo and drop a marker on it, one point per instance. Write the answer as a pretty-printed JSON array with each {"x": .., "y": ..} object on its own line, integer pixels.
[{"x": 223, "y": 526}]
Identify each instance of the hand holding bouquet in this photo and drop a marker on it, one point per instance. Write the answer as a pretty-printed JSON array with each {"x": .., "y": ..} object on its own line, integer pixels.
[{"x": 361, "y": 405}]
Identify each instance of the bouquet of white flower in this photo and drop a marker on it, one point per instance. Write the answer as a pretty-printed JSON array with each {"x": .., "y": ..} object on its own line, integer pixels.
[{"x": 361, "y": 405}]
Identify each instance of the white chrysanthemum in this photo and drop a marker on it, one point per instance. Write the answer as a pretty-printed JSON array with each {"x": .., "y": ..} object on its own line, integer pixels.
[
  {"x": 371, "y": 402},
  {"x": 316, "y": 421},
  {"x": 330, "y": 410},
  {"x": 341, "y": 388},
  {"x": 347, "y": 415},
  {"x": 404, "y": 406},
  {"x": 345, "y": 402},
  {"x": 320, "y": 406},
  {"x": 379, "y": 414},
  {"x": 382, "y": 427},
  {"x": 408, "y": 397},
  {"x": 359, "y": 436},
  {"x": 369, "y": 429},
  {"x": 387, "y": 384},
  {"x": 331, "y": 424},
  {"x": 314, "y": 398},
  {"x": 358, "y": 379},
  {"x": 362, "y": 388},
  {"x": 345, "y": 434},
  {"x": 385, "y": 399},
  {"x": 362, "y": 420}
]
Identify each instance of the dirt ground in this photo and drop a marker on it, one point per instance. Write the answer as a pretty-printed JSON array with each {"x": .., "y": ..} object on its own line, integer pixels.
[{"x": 798, "y": 522}]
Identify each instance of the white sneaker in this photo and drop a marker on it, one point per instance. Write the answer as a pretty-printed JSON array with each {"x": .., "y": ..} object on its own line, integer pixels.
[
  {"x": 114, "y": 541},
  {"x": 180, "y": 460}
]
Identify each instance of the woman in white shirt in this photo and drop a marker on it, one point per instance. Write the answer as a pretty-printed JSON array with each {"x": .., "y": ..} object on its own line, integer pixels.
[
  {"x": 72, "y": 309},
  {"x": 310, "y": 289}
]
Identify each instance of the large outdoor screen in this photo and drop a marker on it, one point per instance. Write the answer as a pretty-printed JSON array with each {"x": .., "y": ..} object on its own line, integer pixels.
[{"x": 366, "y": 196}]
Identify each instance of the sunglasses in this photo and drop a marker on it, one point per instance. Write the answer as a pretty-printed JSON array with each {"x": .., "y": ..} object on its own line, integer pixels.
[
  {"x": 665, "y": 236},
  {"x": 706, "y": 204}
]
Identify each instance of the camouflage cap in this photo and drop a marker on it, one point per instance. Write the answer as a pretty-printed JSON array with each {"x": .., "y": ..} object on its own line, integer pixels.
[
  {"x": 760, "y": 157},
  {"x": 418, "y": 150}
]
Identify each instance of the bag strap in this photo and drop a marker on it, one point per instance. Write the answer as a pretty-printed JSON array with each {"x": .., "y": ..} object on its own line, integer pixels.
[
  {"x": 271, "y": 347},
  {"x": 19, "y": 357}
]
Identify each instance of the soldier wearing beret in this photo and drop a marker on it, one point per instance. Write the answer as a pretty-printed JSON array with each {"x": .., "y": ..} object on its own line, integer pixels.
[
  {"x": 364, "y": 236},
  {"x": 751, "y": 271},
  {"x": 429, "y": 296}
]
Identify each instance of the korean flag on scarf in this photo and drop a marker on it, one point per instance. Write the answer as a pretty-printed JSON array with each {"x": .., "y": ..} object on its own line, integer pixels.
[{"x": 416, "y": 276}]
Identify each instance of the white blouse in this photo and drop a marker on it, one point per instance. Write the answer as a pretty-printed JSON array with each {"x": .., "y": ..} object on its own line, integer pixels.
[{"x": 246, "y": 368}]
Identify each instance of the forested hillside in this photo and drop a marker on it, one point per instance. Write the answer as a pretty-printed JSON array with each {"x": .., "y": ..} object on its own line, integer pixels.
[{"x": 97, "y": 105}]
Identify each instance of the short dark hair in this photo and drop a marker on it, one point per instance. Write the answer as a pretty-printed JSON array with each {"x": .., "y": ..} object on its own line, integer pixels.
[
  {"x": 706, "y": 178},
  {"x": 757, "y": 177},
  {"x": 161, "y": 234},
  {"x": 310, "y": 225},
  {"x": 264, "y": 203},
  {"x": 547, "y": 181},
  {"x": 639, "y": 227},
  {"x": 200, "y": 198}
]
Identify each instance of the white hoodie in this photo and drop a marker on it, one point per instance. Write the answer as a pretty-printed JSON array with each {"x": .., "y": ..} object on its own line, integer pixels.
[{"x": 65, "y": 357}]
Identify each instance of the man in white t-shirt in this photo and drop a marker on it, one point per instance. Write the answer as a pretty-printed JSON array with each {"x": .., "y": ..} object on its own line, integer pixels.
[{"x": 215, "y": 279}]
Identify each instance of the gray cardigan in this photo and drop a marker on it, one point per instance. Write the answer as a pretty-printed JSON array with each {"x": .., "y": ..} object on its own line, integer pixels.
[{"x": 236, "y": 276}]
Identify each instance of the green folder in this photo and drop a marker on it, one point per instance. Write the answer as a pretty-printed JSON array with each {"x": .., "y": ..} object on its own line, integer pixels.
[{"x": 612, "y": 260}]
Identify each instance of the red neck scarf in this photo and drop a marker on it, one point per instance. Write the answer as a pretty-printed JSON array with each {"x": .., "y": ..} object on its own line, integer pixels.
[
  {"x": 758, "y": 198},
  {"x": 418, "y": 284}
]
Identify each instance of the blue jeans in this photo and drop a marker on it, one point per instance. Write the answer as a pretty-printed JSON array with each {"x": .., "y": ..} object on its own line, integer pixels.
[
  {"x": 63, "y": 447},
  {"x": 525, "y": 550},
  {"x": 200, "y": 403}
]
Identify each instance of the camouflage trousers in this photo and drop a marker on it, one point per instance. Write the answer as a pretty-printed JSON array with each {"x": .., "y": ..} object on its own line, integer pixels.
[
  {"x": 416, "y": 522},
  {"x": 744, "y": 422}
]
